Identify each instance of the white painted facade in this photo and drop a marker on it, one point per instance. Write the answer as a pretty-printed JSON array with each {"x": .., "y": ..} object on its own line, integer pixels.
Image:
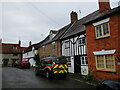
[
  {"x": 10, "y": 58},
  {"x": 76, "y": 47},
  {"x": 29, "y": 56}
]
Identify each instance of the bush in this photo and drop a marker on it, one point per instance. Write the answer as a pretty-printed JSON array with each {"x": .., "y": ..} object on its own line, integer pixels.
[{"x": 88, "y": 77}]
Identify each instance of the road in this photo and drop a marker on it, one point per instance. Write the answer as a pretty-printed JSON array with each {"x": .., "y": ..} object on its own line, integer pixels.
[{"x": 26, "y": 78}]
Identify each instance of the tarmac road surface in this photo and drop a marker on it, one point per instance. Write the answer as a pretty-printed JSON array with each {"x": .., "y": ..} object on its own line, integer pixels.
[{"x": 26, "y": 78}]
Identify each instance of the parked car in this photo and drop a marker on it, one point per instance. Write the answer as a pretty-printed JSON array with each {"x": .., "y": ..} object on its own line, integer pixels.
[
  {"x": 109, "y": 85},
  {"x": 15, "y": 63},
  {"x": 51, "y": 66},
  {"x": 23, "y": 64}
]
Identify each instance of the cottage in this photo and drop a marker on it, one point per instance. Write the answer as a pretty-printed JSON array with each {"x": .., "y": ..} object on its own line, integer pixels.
[
  {"x": 51, "y": 45},
  {"x": 74, "y": 44},
  {"x": 30, "y": 53},
  {"x": 11, "y": 53},
  {"x": 103, "y": 42}
]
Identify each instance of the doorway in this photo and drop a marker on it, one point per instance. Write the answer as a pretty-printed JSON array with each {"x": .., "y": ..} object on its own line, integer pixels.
[
  {"x": 77, "y": 64},
  {"x": 5, "y": 62}
]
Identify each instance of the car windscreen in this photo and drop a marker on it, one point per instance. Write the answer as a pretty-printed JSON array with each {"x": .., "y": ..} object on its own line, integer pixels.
[{"x": 60, "y": 60}]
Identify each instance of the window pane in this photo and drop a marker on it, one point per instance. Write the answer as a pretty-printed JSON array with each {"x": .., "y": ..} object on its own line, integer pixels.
[
  {"x": 83, "y": 41},
  {"x": 67, "y": 44},
  {"x": 109, "y": 61},
  {"x": 105, "y": 29},
  {"x": 100, "y": 61},
  {"x": 98, "y": 31},
  {"x": 86, "y": 60}
]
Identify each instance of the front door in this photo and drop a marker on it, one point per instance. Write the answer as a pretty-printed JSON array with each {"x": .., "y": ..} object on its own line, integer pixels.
[
  {"x": 77, "y": 64},
  {"x": 5, "y": 62},
  {"x": 84, "y": 65}
]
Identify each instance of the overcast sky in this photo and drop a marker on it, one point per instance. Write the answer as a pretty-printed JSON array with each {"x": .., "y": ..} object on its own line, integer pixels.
[{"x": 32, "y": 21}]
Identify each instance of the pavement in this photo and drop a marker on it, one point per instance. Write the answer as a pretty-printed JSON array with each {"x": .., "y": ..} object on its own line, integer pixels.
[
  {"x": 26, "y": 78},
  {"x": 80, "y": 78}
]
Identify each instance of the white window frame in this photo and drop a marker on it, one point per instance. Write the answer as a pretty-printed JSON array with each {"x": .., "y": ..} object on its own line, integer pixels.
[
  {"x": 83, "y": 60},
  {"x": 43, "y": 49},
  {"x": 104, "y": 62},
  {"x": 67, "y": 44},
  {"x": 53, "y": 45},
  {"x": 80, "y": 41}
]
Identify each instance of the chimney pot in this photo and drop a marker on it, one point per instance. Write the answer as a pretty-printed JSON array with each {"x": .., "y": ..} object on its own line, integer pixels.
[
  {"x": 30, "y": 43},
  {"x": 19, "y": 43},
  {"x": 104, "y": 5},
  {"x": 74, "y": 17}
]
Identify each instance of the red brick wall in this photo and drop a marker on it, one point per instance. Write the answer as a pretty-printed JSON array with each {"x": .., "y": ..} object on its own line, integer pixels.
[{"x": 109, "y": 43}]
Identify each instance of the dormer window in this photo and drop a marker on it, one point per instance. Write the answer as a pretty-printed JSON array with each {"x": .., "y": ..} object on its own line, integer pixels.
[{"x": 52, "y": 34}]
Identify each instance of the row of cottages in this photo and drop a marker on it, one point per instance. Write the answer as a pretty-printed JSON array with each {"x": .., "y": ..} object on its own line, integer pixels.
[
  {"x": 30, "y": 53},
  {"x": 11, "y": 53},
  {"x": 91, "y": 44}
]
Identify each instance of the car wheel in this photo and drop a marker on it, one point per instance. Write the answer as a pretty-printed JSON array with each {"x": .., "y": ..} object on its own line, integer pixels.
[
  {"x": 47, "y": 74},
  {"x": 104, "y": 88},
  {"x": 36, "y": 72},
  {"x": 64, "y": 76}
]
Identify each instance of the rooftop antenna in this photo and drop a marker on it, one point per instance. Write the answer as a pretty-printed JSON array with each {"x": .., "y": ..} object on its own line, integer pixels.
[{"x": 79, "y": 12}]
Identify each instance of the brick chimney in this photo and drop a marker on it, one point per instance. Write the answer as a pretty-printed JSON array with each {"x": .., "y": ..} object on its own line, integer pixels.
[
  {"x": 74, "y": 17},
  {"x": 104, "y": 5},
  {"x": 19, "y": 42},
  {"x": 30, "y": 43}
]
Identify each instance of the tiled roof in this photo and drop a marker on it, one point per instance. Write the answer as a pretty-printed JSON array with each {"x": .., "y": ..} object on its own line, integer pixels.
[
  {"x": 36, "y": 46},
  {"x": 12, "y": 48}
]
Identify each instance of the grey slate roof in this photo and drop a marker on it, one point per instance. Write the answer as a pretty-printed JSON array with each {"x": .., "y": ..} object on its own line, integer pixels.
[
  {"x": 78, "y": 26},
  {"x": 57, "y": 36},
  {"x": 36, "y": 46},
  {"x": 104, "y": 15}
]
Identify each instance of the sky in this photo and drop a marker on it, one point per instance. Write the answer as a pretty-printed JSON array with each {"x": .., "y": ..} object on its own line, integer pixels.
[{"x": 32, "y": 20}]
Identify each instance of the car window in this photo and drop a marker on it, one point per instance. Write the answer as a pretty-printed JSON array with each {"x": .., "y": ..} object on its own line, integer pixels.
[{"x": 60, "y": 60}]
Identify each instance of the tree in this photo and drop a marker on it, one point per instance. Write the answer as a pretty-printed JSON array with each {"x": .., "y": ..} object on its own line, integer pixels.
[{"x": 37, "y": 59}]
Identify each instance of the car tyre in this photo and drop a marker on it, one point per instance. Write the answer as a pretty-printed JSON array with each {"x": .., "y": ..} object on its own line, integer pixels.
[
  {"x": 47, "y": 74},
  {"x": 104, "y": 88},
  {"x": 36, "y": 72}
]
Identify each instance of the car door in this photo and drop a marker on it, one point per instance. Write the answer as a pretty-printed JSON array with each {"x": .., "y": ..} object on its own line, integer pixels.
[{"x": 43, "y": 65}]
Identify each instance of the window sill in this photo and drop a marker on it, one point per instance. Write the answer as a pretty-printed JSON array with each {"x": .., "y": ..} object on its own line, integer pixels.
[
  {"x": 102, "y": 37},
  {"x": 106, "y": 71}
]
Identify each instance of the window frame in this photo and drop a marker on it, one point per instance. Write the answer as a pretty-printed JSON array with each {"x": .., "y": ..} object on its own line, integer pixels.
[
  {"x": 80, "y": 41},
  {"x": 104, "y": 61},
  {"x": 53, "y": 45},
  {"x": 84, "y": 60},
  {"x": 67, "y": 46},
  {"x": 43, "y": 49},
  {"x": 103, "y": 36}
]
